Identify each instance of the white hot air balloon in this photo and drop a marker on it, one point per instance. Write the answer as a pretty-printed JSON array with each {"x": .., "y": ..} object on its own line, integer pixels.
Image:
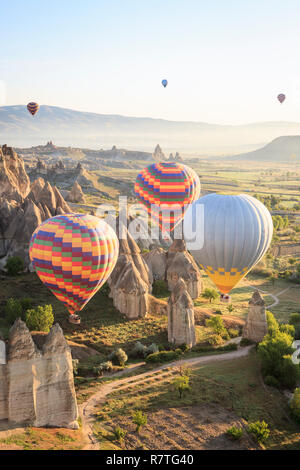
[{"x": 237, "y": 232}]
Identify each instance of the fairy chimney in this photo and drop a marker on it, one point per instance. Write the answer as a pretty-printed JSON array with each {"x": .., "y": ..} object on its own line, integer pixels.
[
  {"x": 181, "y": 324},
  {"x": 256, "y": 326}
]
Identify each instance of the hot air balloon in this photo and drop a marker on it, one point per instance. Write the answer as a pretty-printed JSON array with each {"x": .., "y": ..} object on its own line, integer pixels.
[
  {"x": 166, "y": 189},
  {"x": 237, "y": 233},
  {"x": 281, "y": 98},
  {"x": 33, "y": 108},
  {"x": 73, "y": 255},
  {"x": 164, "y": 82}
]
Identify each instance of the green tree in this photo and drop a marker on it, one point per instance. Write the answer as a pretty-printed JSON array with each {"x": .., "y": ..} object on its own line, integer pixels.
[
  {"x": 12, "y": 310},
  {"x": 140, "y": 419},
  {"x": 14, "y": 265},
  {"x": 40, "y": 318},
  {"x": 181, "y": 384},
  {"x": 230, "y": 308},
  {"x": 210, "y": 294},
  {"x": 217, "y": 324}
]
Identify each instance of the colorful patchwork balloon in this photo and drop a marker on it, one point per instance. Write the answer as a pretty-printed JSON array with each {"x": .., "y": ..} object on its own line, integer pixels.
[
  {"x": 33, "y": 108},
  {"x": 74, "y": 255},
  {"x": 166, "y": 190}
]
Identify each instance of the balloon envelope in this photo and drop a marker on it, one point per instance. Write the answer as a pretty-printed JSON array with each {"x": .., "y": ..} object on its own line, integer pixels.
[
  {"x": 281, "y": 97},
  {"x": 237, "y": 233},
  {"x": 165, "y": 83},
  {"x": 73, "y": 255},
  {"x": 166, "y": 190},
  {"x": 33, "y": 108}
]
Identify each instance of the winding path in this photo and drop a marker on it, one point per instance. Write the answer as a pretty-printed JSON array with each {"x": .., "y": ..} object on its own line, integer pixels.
[
  {"x": 87, "y": 409},
  {"x": 274, "y": 297}
]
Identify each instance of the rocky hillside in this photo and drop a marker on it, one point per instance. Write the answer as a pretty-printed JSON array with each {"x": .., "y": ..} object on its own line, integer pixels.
[
  {"x": 91, "y": 130},
  {"x": 282, "y": 149},
  {"x": 23, "y": 206}
]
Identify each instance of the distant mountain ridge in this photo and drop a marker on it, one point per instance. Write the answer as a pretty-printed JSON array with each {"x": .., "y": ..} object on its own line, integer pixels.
[
  {"x": 281, "y": 149},
  {"x": 67, "y": 127}
]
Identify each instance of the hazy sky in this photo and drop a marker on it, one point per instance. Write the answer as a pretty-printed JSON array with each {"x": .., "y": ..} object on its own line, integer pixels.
[{"x": 225, "y": 60}]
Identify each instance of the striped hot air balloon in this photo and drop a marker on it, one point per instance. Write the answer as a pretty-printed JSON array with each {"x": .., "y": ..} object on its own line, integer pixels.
[
  {"x": 166, "y": 190},
  {"x": 73, "y": 255},
  {"x": 237, "y": 233},
  {"x": 33, "y": 108}
]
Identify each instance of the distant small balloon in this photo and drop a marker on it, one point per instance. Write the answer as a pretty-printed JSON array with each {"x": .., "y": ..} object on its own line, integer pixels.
[
  {"x": 165, "y": 83},
  {"x": 33, "y": 108},
  {"x": 281, "y": 98}
]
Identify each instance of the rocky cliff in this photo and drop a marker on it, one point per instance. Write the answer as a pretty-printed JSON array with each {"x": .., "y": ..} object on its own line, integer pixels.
[
  {"x": 23, "y": 206},
  {"x": 37, "y": 386}
]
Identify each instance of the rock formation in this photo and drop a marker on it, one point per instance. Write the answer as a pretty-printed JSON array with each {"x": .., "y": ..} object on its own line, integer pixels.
[
  {"x": 181, "y": 325},
  {"x": 76, "y": 195},
  {"x": 180, "y": 264},
  {"x": 156, "y": 260},
  {"x": 131, "y": 280},
  {"x": 158, "y": 154},
  {"x": 256, "y": 326},
  {"x": 23, "y": 206},
  {"x": 37, "y": 387},
  {"x": 14, "y": 181}
]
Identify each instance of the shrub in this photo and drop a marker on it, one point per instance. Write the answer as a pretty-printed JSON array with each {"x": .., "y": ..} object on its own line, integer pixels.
[
  {"x": 275, "y": 351},
  {"x": 119, "y": 357},
  {"x": 218, "y": 312},
  {"x": 163, "y": 356},
  {"x": 215, "y": 340},
  {"x": 14, "y": 265},
  {"x": 295, "y": 405},
  {"x": 233, "y": 333},
  {"x": 160, "y": 289},
  {"x": 119, "y": 433},
  {"x": 140, "y": 419},
  {"x": 229, "y": 347},
  {"x": 26, "y": 303},
  {"x": 138, "y": 350},
  {"x": 260, "y": 430},
  {"x": 246, "y": 342},
  {"x": 153, "y": 348},
  {"x": 103, "y": 367},
  {"x": 230, "y": 308},
  {"x": 234, "y": 433},
  {"x": 216, "y": 323},
  {"x": 13, "y": 310},
  {"x": 210, "y": 294},
  {"x": 40, "y": 318},
  {"x": 271, "y": 381},
  {"x": 288, "y": 329},
  {"x": 181, "y": 384},
  {"x": 295, "y": 319}
]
